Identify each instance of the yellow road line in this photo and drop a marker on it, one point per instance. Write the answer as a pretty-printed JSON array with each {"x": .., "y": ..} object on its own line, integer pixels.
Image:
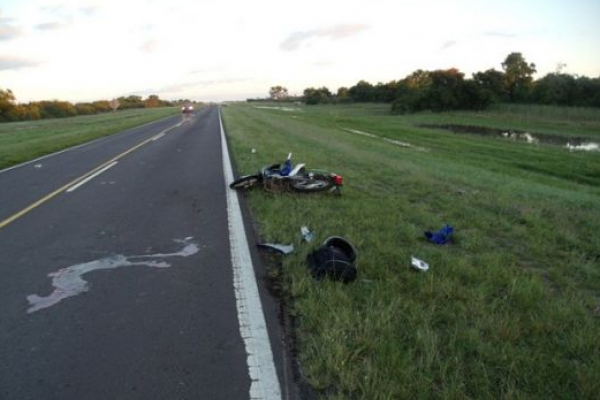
[{"x": 58, "y": 191}]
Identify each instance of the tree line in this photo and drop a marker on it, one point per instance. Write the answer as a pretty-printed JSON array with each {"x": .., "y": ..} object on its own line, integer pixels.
[
  {"x": 444, "y": 90},
  {"x": 11, "y": 111}
]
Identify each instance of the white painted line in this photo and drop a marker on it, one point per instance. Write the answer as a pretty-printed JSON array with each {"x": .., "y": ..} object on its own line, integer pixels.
[
  {"x": 160, "y": 135},
  {"x": 89, "y": 178},
  {"x": 253, "y": 328}
]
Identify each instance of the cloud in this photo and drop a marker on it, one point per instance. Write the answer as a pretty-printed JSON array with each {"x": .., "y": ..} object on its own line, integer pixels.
[
  {"x": 180, "y": 87},
  {"x": 448, "y": 44},
  {"x": 499, "y": 34},
  {"x": 323, "y": 64},
  {"x": 50, "y": 26},
  {"x": 14, "y": 63},
  {"x": 89, "y": 10},
  {"x": 338, "y": 32},
  {"x": 149, "y": 46},
  {"x": 207, "y": 70},
  {"x": 184, "y": 87},
  {"x": 67, "y": 10},
  {"x": 7, "y": 30}
]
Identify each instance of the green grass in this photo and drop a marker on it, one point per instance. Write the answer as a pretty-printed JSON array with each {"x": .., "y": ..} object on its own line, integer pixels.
[
  {"x": 510, "y": 310},
  {"x": 23, "y": 141}
]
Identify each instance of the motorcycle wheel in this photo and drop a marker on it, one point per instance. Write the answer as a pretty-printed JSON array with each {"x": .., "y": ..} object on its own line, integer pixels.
[
  {"x": 244, "y": 182},
  {"x": 315, "y": 183}
]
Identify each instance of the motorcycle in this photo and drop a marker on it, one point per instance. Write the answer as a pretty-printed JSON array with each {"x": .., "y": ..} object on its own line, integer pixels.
[{"x": 282, "y": 177}]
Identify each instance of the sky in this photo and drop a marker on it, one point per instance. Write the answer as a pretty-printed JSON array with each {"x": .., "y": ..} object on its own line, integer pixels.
[{"x": 84, "y": 50}]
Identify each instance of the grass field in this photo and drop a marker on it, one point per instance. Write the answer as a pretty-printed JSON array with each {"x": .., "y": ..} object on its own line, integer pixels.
[
  {"x": 22, "y": 141},
  {"x": 509, "y": 310}
]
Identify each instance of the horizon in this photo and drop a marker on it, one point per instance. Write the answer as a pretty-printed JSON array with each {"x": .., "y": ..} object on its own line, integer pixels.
[{"x": 89, "y": 50}]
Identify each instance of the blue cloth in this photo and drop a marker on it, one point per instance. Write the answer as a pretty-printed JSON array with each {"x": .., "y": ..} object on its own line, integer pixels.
[
  {"x": 440, "y": 237},
  {"x": 287, "y": 168}
]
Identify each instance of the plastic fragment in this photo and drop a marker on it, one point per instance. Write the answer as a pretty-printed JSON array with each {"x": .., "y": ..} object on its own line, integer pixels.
[
  {"x": 419, "y": 265},
  {"x": 278, "y": 248},
  {"x": 307, "y": 234}
]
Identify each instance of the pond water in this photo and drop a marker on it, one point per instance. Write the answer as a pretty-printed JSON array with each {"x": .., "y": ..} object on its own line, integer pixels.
[{"x": 570, "y": 143}]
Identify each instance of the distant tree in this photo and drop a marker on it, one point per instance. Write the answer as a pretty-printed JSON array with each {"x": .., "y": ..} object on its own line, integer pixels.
[
  {"x": 518, "y": 77},
  {"x": 17, "y": 113},
  {"x": 131, "y": 102},
  {"x": 385, "y": 92},
  {"x": 418, "y": 80},
  {"x": 152, "y": 101},
  {"x": 342, "y": 92},
  {"x": 56, "y": 109},
  {"x": 408, "y": 99},
  {"x": 475, "y": 97},
  {"x": 567, "y": 90},
  {"x": 440, "y": 90},
  {"x": 444, "y": 90},
  {"x": 363, "y": 91},
  {"x": 101, "y": 106},
  {"x": 7, "y": 104},
  {"x": 315, "y": 96},
  {"x": 492, "y": 81},
  {"x": 278, "y": 93},
  {"x": 588, "y": 91},
  {"x": 85, "y": 109},
  {"x": 33, "y": 112},
  {"x": 555, "y": 89}
]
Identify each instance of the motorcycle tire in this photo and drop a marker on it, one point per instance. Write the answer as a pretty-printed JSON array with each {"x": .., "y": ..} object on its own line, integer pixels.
[
  {"x": 244, "y": 182},
  {"x": 315, "y": 183}
]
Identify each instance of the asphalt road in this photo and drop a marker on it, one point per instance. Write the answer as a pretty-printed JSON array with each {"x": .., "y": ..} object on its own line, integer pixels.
[{"x": 122, "y": 287}]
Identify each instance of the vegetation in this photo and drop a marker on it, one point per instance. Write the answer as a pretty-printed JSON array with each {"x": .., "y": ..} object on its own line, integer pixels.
[
  {"x": 278, "y": 93},
  {"x": 509, "y": 310},
  {"x": 11, "y": 111},
  {"x": 23, "y": 141},
  {"x": 445, "y": 90}
]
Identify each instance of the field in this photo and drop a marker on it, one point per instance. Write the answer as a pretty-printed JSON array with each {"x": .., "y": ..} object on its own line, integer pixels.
[
  {"x": 22, "y": 141},
  {"x": 509, "y": 310}
]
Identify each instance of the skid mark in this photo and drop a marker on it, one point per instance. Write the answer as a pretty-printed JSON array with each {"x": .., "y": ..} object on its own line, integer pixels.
[{"x": 68, "y": 282}]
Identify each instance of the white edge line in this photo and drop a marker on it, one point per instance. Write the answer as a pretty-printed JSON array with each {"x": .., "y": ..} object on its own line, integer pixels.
[
  {"x": 89, "y": 178},
  {"x": 79, "y": 145},
  {"x": 160, "y": 135},
  {"x": 253, "y": 328}
]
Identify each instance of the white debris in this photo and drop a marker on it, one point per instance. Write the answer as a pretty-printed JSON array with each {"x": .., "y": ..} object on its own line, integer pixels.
[
  {"x": 307, "y": 234},
  {"x": 419, "y": 265},
  {"x": 589, "y": 146}
]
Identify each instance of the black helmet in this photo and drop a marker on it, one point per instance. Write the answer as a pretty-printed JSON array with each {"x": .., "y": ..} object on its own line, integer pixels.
[{"x": 340, "y": 244}]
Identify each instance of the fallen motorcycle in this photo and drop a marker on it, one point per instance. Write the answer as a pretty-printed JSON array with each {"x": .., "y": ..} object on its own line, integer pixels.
[{"x": 285, "y": 177}]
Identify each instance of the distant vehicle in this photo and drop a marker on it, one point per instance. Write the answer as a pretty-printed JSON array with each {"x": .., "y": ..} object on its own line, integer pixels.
[{"x": 187, "y": 109}]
